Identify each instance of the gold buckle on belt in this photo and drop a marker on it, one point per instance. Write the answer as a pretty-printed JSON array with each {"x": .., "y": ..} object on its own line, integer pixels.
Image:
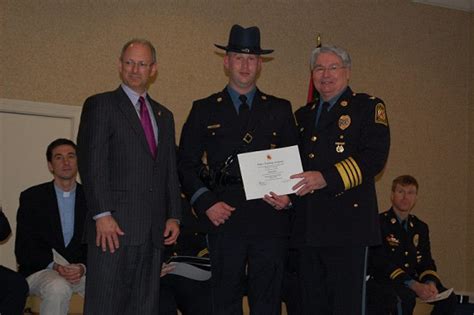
[{"x": 248, "y": 138}]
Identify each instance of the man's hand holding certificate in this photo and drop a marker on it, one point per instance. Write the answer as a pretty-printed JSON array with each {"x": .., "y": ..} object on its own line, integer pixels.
[{"x": 269, "y": 171}]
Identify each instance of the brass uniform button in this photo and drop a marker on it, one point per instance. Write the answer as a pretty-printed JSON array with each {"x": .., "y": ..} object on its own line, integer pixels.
[
  {"x": 356, "y": 205},
  {"x": 314, "y": 138},
  {"x": 406, "y": 253},
  {"x": 311, "y": 155},
  {"x": 407, "y": 265}
]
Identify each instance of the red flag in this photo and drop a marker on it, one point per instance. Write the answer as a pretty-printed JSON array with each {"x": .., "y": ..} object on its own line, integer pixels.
[{"x": 310, "y": 90}]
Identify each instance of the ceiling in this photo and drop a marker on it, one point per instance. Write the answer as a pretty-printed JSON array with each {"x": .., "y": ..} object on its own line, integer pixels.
[{"x": 463, "y": 5}]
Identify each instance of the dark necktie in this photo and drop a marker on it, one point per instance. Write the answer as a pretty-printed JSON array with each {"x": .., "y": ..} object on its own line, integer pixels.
[
  {"x": 147, "y": 126},
  {"x": 244, "y": 111},
  {"x": 322, "y": 113}
]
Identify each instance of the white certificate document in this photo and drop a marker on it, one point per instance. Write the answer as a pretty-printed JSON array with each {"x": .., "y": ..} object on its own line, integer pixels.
[
  {"x": 441, "y": 296},
  {"x": 269, "y": 170}
]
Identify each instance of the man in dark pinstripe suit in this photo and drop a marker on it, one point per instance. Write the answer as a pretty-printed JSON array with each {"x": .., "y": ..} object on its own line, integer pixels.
[{"x": 127, "y": 162}]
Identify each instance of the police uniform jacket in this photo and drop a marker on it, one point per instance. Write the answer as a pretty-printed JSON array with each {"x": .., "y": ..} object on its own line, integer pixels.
[
  {"x": 213, "y": 129},
  {"x": 407, "y": 252},
  {"x": 349, "y": 147}
]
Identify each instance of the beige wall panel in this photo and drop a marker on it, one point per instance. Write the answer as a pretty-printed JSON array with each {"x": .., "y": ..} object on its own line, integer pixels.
[
  {"x": 415, "y": 57},
  {"x": 470, "y": 210},
  {"x": 25, "y": 131}
]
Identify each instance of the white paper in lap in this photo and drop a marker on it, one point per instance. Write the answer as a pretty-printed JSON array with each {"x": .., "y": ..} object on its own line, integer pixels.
[{"x": 269, "y": 170}]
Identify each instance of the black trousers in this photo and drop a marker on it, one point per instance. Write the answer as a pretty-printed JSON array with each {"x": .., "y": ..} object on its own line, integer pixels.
[
  {"x": 13, "y": 292},
  {"x": 381, "y": 298},
  {"x": 126, "y": 282},
  {"x": 191, "y": 297},
  {"x": 332, "y": 280},
  {"x": 256, "y": 262},
  {"x": 291, "y": 295}
]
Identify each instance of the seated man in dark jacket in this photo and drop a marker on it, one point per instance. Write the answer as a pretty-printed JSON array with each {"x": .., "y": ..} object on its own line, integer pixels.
[
  {"x": 13, "y": 288},
  {"x": 51, "y": 217},
  {"x": 403, "y": 262}
]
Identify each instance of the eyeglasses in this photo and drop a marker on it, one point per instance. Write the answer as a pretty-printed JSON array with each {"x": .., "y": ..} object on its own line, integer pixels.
[
  {"x": 330, "y": 69},
  {"x": 140, "y": 64}
]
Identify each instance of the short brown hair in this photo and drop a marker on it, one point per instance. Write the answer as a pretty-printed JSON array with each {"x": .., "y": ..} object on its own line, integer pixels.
[
  {"x": 404, "y": 180},
  {"x": 56, "y": 143}
]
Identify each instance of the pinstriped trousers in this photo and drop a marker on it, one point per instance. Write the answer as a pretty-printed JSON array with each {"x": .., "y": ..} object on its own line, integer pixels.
[{"x": 126, "y": 282}]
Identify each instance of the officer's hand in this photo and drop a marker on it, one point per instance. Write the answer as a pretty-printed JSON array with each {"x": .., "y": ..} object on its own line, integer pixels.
[
  {"x": 310, "y": 181},
  {"x": 219, "y": 213},
  {"x": 166, "y": 269},
  {"x": 108, "y": 232},
  {"x": 276, "y": 201},
  {"x": 422, "y": 290},
  {"x": 433, "y": 287}
]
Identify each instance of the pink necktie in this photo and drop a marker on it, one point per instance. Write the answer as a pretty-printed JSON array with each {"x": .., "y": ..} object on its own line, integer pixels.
[{"x": 147, "y": 127}]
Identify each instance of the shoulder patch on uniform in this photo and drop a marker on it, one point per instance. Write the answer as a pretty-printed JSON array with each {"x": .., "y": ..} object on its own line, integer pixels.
[{"x": 380, "y": 114}]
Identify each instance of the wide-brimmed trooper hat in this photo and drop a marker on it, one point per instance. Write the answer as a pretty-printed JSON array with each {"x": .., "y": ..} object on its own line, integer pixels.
[{"x": 245, "y": 41}]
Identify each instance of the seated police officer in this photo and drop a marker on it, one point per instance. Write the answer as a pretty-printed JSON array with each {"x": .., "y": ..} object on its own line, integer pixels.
[
  {"x": 185, "y": 274},
  {"x": 403, "y": 262}
]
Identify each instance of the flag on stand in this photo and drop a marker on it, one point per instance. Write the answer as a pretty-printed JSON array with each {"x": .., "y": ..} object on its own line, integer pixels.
[{"x": 312, "y": 93}]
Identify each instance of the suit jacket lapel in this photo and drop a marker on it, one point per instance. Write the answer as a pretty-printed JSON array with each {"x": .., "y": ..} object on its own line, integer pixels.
[
  {"x": 78, "y": 215},
  {"x": 55, "y": 217},
  {"x": 130, "y": 113}
]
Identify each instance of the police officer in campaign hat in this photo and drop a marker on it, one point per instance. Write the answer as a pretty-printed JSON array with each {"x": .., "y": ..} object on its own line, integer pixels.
[
  {"x": 403, "y": 263},
  {"x": 247, "y": 238},
  {"x": 344, "y": 144}
]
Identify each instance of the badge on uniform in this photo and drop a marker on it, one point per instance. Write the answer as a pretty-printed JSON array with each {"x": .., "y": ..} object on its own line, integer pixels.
[
  {"x": 380, "y": 114},
  {"x": 344, "y": 122},
  {"x": 340, "y": 147},
  {"x": 392, "y": 240},
  {"x": 416, "y": 240}
]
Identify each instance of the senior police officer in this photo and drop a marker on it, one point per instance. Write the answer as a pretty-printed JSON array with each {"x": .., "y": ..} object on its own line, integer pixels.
[
  {"x": 403, "y": 263},
  {"x": 245, "y": 236},
  {"x": 344, "y": 143}
]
